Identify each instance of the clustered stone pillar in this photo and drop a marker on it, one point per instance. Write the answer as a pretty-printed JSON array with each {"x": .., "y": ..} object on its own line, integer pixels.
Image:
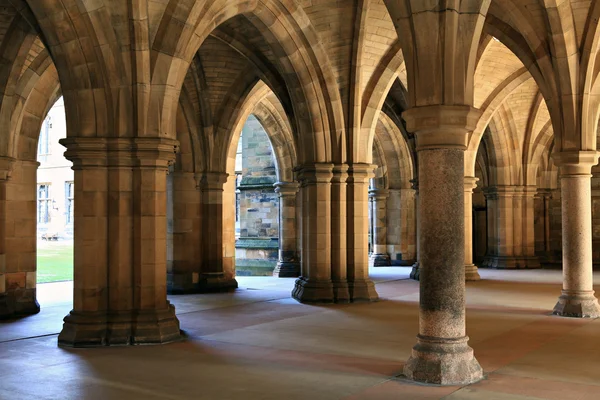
[
  {"x": 511, "y": 237},
  {"x": 471, "y": 273},
  {"x": 577, "y": 298},
  {"x": 288, "y": 265},
  {"x": 442, "y": 354},
  {"x": 184, "y": 266},
  {"x": 214, "y": 275},
  {"x": 360, "y": 286},
  {"x": 120, "y": 229},
  {"x": 18, "y": 238},
  {"x": 315, "y": 285},
  {"x": 379, "y": 256}
]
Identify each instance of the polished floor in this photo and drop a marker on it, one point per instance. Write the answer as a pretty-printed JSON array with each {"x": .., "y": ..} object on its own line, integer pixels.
[{"x": 257, "y": 343}]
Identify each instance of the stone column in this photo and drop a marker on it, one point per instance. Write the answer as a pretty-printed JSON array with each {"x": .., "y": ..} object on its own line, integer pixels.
[
  {"x": 120, "y": 233},
  {"x": 492, "y": 242},
  {"x": 288, "y": 265},
  {"x": 214, "y": 276},
  {"x": 18, "y": 198},
  {"x": 339, "y": 249},
  {"x": 378, "y": 200},
  {"x": 186, "y": 226},
  {"x": 442, "y": 354},
  {"x": 415, "y": 273},
  {"x": 315, "y": 285},
  {"x": 577, "y": 298},
  {"x": 471, "y": 273},
  {"x": 360, "y": 286}
]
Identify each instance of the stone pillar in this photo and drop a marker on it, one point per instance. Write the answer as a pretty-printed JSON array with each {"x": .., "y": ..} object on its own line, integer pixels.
[
  {"x": 577, "y": 298},
  {"x": 471, "y": 273},
  {"x": 120, "y": 233},
  {"x": 214, "y": 275},
  {"x": 415, "y": 273},
  {"x": 339, "y": 249},
  {"x": 18, "y": 198},
  {"x": 492, "y": 242},
  {"x": 378, "y": 200},
  {"x": 442, "y": 354},
  {"x": 288, "y": 265},
  {"x": 360, "y": 286},
  {"x": 186, "y": 226},
  {"x": 315, "y": 285}
]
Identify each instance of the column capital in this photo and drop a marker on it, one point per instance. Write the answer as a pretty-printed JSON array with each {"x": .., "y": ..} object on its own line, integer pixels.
[
  {"x": 315, "y": 173},
  {"x": 361, "y": 173},
  {"x": 340, "y": 173},
  {"x": 470, "y": 183},
  {"x": 211, "y": 180},
  {"x": 441, "y": 126},
  {"x": 379, "y": 194},
  {"x": 575, "y": 162},
  {"x": 6, "y": 168},
  {"x": 286, "y": 188},
  {"x": 543, "y": 192},
  {"x": 120, "y": 152}
]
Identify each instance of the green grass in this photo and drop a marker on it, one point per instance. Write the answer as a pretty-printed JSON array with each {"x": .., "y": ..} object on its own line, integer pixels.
[{"x": 54, "y": 261}]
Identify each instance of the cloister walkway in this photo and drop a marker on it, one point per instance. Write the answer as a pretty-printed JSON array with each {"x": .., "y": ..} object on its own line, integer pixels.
[{"x": 258, "y": 343}]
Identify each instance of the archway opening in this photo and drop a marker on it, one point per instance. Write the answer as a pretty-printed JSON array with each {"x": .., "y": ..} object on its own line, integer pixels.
[
  {"x": 256, "y": 203},
  {"x": 55, "y": 202}
]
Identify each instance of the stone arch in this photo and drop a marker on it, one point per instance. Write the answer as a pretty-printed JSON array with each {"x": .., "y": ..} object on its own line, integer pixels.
[
  {"x": 374, "y": 97},
  {"x": 306, "y": 69},
  {"x": 396, "y": 154}
]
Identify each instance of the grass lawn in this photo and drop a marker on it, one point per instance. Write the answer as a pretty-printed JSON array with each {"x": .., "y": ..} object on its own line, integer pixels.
[{"x": 54, "y": 261}]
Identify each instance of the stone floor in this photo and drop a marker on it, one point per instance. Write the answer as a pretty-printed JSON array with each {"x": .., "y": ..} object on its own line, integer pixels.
[{"x": 257, "y": 343}]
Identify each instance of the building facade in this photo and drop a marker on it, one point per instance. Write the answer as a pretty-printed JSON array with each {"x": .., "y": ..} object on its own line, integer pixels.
[{"x": 55, "y": 179}]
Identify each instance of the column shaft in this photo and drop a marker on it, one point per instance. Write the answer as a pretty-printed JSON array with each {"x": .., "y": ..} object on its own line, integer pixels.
[
  {"x": 379, "y": 256},
  {"x": 214, "y": 275},
  {"x": 339, "y": 246},
  {"x": 471, "y": 272},
  {"x": 288, "y": 265},
  {"x": 186, "y": 229},
  {"x": 360, "y": 286}
]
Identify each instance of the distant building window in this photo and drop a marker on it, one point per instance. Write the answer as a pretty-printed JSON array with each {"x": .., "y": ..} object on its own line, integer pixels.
[
  {"x": 238, "y": 180},
  {"x": 44, "y": 203},
  {"x": 44, "y": 142},
  {"x": 69, "y": 198}
]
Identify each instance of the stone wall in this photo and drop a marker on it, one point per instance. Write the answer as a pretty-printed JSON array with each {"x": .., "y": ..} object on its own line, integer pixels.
[{"x": 258, "y": 243}]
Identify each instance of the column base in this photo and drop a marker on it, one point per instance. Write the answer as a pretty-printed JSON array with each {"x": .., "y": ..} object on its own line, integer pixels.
[
  {"x": 442, "y": 361},
  {"x": 181, "y": 283},
  {"x": 472, "y": 273},
  {"x": 18, "y": 303},
  {"x": 379, "y": 260},
  {"x": 362, "y": 291},
  {"x": 94, "y": 329},
  {"x": 402, "y": 263},
  {"x": 211, "y": 282},
  {"x": 415, "y": 273},
  {"x": 313, "y": 291},
  {"x": 502, "y": 262},
  {"x": 580, "y": 304},
  {"x": 287, "y": 269},
  {"x": 341, "y": 293}
]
